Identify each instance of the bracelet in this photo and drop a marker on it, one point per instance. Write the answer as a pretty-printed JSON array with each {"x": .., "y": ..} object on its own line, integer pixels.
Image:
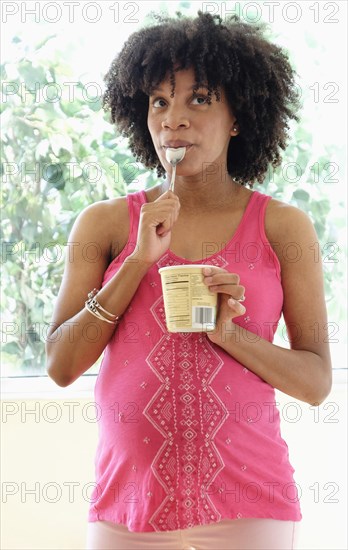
[
  {"x": 96, "y": 313},
  {"x": 93, "y": 306},
  {"x": 93, "y": 300}
]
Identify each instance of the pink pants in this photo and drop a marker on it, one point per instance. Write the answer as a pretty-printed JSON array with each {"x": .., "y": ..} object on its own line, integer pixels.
[{"x": 228, "y": 534}]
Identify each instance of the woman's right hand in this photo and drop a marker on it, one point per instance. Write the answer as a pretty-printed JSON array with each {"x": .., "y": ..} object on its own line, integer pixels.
[{"x": 157, "y": 219}]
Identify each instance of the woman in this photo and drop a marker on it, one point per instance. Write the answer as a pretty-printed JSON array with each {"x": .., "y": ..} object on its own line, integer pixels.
[{"x": 190, "y": 453}]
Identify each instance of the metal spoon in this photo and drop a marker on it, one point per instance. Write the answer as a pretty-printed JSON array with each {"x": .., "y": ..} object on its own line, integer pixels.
[{"x": 173, "y": 156}]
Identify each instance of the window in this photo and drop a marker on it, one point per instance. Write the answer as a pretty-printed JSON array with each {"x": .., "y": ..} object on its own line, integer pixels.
[{"x": 60, "y": 154}]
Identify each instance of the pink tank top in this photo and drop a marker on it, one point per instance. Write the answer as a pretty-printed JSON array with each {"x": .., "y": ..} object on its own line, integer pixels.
[{"x": 187, "y": 435}]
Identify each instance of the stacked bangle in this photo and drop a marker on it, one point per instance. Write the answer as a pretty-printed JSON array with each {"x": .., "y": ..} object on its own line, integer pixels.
[{"x": 94, "y": 307}]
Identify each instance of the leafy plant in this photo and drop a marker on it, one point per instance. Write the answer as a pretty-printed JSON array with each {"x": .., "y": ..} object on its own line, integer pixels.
[
  {"x": 60, "y": 154},
  {"x": 58, "y": 157}
]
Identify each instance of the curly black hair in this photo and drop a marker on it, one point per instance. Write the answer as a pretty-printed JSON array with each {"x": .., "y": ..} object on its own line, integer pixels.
[{"x": 256, "y": 75}]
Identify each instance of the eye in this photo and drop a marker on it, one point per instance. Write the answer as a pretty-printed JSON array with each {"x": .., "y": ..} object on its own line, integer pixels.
[
  {"x": 200, "y": 99},
  {"x": 158, "y": 102}
]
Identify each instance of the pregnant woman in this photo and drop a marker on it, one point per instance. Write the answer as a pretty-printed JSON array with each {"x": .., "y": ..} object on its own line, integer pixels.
[{"x": 190, "y": 454}]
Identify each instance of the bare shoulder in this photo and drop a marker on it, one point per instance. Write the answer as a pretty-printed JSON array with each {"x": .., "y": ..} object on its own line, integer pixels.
[
  {"x": 98, "y": 229},
  {"x": 106, "y": 223},
  {"x": 282, "y": 218},
  {"x": 112, "y": 211},
  {"x": 288, "y": 226}
]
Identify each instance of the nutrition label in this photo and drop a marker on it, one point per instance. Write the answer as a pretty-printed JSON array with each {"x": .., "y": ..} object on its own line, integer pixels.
[{"x": 188, "y": 302}]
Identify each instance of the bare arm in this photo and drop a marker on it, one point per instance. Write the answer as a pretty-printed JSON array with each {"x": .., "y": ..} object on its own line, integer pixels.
[
  {"x": 77, "y": 338},
  {"x": 304, "y": 371}
]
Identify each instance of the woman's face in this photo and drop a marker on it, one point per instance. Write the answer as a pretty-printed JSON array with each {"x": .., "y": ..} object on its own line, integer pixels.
[{"x": 187, "y": 120}]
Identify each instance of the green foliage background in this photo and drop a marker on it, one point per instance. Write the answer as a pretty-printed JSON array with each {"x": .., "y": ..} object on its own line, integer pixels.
[{"x": 65, "y": 155}]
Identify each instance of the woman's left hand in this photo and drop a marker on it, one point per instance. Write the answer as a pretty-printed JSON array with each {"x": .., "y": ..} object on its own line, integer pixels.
[{"x": 227, "y": 285}]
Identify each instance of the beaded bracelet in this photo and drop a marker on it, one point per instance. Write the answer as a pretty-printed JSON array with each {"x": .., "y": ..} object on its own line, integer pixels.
[{"x": 94, "y": 307}]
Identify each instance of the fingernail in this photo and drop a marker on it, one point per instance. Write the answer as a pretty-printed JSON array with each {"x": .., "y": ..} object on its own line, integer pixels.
[
  {"x": 207, "y": 270},
  {"x": 243, "y": 310}
]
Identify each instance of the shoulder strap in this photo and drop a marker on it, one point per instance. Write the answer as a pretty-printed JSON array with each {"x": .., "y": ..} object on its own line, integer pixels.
[
  {"x": 254, "y": 219},
  {"x": 135, "y": 202}
]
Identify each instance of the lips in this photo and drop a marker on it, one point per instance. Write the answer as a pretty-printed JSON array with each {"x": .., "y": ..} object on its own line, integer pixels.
[{"x": 176, "y": 143}]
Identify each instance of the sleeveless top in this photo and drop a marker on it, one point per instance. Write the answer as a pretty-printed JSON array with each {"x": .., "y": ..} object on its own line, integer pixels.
[{"x": 188, "y": 435}]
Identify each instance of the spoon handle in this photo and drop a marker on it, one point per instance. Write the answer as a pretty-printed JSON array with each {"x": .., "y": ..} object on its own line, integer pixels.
[{"x": 171, "y": 186}]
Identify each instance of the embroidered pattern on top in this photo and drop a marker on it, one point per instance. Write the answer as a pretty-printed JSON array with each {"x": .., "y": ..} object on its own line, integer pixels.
[{"x": 188, "y": 413}]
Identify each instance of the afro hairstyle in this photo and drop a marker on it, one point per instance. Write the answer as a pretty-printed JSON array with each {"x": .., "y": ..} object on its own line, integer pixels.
[{"x": 256, "y": 75}]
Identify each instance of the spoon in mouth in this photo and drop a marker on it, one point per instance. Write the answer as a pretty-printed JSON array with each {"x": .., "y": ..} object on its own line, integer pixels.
[{"x": 173, "y": 156}]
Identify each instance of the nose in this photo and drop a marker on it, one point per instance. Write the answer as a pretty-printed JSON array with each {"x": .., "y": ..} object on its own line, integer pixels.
[{"x": 175, "y": 118}]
